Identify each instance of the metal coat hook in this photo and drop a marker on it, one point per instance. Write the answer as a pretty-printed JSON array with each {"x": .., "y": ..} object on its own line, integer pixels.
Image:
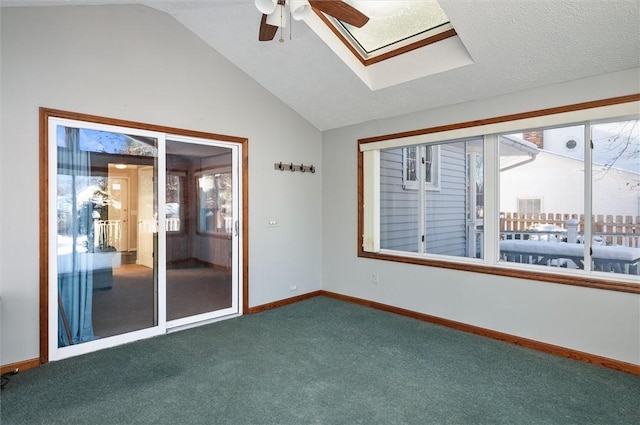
[{"x": 293, "y": 167}]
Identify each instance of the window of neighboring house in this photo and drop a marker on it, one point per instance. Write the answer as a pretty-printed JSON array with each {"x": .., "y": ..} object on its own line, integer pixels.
[
  {"x": 428, "y": 156},
  {"x": 214, "y": 190},
  {"x": 437, "y": 228},
  {"x": 174, "y": 200},
  {"x": 528, "y": 206}
]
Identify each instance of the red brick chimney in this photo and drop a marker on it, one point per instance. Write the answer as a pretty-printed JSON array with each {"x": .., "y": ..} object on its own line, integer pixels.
[{"x": 535, "y": 137}]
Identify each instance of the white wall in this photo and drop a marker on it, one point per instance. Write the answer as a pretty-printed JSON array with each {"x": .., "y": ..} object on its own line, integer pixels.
[
  {"x": 136, "y": 63},
  {"x": 600, "y": 322}
]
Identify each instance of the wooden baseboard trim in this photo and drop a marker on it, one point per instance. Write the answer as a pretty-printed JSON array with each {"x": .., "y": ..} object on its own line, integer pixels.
[
  {"x": 500, "y": 336},
  {"x": 281, "y": 303},
  {"x": 508, "y": 338},
  {"x": 19, "y": 366}
]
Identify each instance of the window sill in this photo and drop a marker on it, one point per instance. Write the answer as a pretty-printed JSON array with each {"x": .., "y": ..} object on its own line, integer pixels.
[{"x": 583, "y": 281}]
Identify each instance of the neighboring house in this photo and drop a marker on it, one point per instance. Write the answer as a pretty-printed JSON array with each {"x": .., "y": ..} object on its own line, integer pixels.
[
  {"x": 554, "y": 181},
  {"x": 446, "y": 191}
]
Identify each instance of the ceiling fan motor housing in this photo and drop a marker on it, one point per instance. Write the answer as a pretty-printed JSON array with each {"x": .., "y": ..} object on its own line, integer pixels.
[{"x": 266, "y": 6}]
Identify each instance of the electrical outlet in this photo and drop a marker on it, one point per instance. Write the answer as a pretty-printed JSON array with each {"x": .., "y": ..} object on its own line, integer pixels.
[
  {"x": 294, "y": 287},
  {"x": 374, "y": 278}
]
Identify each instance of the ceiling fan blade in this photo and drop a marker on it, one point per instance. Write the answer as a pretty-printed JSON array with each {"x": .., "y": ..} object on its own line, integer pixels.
[
  {"x": 341, "y": 11},
  {"x": 267, "y": 32}
]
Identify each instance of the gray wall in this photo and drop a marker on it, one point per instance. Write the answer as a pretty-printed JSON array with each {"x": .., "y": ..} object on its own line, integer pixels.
[
  {"x": 136, "y": 63},
  {"x": 604, "y": 323}
]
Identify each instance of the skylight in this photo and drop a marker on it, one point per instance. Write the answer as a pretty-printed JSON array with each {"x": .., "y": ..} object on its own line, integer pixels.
[
  {"x": 402, "y": 41},
  {"x": 393, "y": 24}
]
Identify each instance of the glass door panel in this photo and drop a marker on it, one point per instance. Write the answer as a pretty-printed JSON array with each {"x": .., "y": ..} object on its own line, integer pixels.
[
  {"x": 199, "y": 224},
  {"x": 102, "y": 289}
]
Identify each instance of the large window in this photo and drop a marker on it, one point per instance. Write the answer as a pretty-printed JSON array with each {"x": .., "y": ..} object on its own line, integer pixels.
[{"x": 488, "y": 214}]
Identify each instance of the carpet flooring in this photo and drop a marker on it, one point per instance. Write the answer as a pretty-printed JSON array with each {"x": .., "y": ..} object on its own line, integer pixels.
[
  {"x": 129, "y": 304},
  {"x": 320, "y": 361}
]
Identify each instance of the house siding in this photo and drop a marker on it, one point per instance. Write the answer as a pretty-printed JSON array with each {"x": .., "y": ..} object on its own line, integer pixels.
[{"x": 445, "y": 218}]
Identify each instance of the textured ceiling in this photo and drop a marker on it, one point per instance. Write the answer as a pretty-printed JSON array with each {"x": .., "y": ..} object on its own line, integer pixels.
[{"x": 515, "y": 45}]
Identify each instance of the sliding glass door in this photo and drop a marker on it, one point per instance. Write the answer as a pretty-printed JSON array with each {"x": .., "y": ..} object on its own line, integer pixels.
[
  {"x": 201, "y": 216},
  {"x": 119, "y": 269}
]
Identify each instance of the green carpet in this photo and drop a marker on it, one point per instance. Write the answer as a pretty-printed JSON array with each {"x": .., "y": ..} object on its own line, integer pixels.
[{"x": 320, "y": 361}]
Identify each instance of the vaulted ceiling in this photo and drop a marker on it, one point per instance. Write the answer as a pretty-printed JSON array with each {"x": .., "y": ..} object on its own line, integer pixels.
[{"x": 514, "y": 45}]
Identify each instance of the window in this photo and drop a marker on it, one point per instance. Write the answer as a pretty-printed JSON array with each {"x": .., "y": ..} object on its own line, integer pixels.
[
  {"x": 214, "y": 201},
  {"x": 174, "y": 200},
  {"x": 555, "y": 241},
  {"x": 398, "y": 33},
  {"x": 393, "y": 25},
  {"x": 528, "y": 206},
  {"x": 428, "y": 156}
]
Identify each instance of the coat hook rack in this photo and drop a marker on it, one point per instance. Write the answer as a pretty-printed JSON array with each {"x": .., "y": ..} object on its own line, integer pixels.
[{"x": 294, "y": 167}]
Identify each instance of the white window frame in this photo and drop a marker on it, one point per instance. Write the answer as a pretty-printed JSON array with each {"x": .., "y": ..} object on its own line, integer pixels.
[{"x": 431, "y": 174}]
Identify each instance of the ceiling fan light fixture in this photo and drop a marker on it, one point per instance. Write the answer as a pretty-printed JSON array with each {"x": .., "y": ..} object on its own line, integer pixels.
[
  {"x": 266, "y": 6},
  {"x": 279, "y": 17},
  {"x": 300, "y": 9}
]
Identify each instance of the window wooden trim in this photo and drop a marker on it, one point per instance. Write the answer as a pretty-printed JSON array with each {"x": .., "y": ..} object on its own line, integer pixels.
[{"x": 544, "y": 276}]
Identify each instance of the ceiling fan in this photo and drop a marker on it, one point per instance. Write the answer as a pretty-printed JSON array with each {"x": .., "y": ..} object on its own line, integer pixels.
[{"x": 276, "y": 12}]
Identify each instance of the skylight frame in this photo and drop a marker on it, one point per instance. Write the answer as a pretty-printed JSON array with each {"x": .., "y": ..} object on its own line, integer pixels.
[
  {"x": 418, "y": 60},
  {"x": 416, "y": 41}
]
